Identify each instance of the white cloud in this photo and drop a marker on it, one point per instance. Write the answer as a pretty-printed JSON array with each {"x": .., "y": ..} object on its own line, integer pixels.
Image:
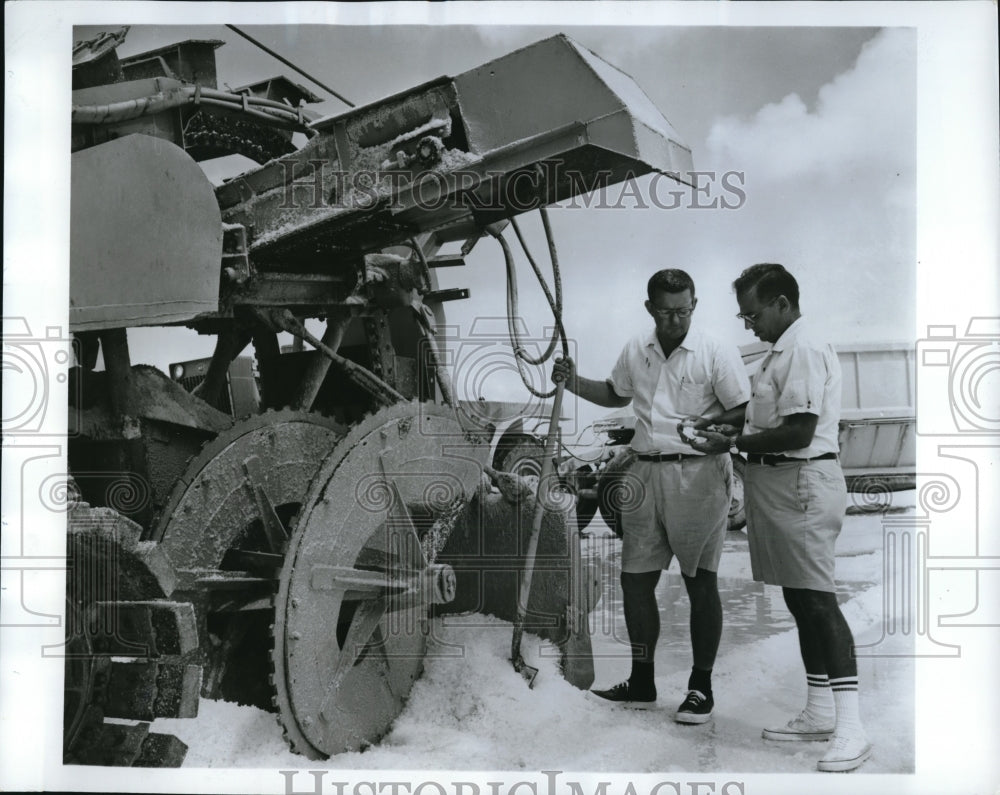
[
  {"x": 863, "y": 119},
  {"x": 832, "y": 192}
]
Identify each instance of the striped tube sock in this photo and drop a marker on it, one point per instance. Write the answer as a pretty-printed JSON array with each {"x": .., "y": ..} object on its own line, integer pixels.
[
  {"x": 819, "y": 700},
  {"x": 845, "y": 696}
]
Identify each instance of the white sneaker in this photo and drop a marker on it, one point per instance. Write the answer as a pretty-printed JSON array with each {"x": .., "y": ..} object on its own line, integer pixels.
[
  {"x": 846, "y": 752},
  {"x": 799, "y": 729}
]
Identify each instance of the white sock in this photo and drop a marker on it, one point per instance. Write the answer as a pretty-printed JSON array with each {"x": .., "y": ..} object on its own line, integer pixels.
[
  {"x": 819, "y": 700},
  {"x": 845, "y": 696}
]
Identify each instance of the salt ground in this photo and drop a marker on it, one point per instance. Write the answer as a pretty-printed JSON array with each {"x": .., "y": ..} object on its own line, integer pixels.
[{"x": 473, "y": 712}]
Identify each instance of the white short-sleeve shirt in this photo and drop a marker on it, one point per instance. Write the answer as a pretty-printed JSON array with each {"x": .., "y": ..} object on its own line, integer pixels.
[
  {"x": 799, "y": 375},
  {"x": 701, "y": 377}
]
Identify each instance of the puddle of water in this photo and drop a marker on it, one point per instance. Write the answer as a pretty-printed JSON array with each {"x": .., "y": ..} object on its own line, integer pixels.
[{"x": 751, "y": 611}]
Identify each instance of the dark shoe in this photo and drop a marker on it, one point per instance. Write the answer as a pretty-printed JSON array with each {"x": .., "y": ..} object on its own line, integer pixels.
[
  {"x": 696, "y": 708},
  {"x": 625, "y": 695}
]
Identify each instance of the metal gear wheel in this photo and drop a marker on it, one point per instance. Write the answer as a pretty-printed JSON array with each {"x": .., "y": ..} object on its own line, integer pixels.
[
  {"x": 355, "y": 590},
  {"x": 223, "y": 534}
]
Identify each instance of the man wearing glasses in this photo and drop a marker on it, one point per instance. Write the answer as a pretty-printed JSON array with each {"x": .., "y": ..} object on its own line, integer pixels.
[
  {"x": 795, "y": 503},
  {"x": 669, "y": 374}
]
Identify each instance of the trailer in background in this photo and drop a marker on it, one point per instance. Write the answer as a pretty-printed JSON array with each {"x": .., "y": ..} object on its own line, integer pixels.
[{"x": 878, "y": 417}]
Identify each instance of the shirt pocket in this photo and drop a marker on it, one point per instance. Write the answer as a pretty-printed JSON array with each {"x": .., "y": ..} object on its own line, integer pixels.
[
  {"x": 696, "y": 396},
  {"x": 763, "y": 408}
]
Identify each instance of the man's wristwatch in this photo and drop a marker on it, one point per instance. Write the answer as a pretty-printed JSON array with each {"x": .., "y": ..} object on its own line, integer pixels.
[{"x": 734, "y": 444}]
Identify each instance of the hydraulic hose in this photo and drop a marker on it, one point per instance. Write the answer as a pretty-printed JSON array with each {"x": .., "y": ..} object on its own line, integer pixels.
[
  {"x": 274, "y": 113},
  {"x": 521, "y": 356}
]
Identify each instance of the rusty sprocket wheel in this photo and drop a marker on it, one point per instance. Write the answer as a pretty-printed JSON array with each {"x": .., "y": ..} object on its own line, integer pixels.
[
  {"x": 224, "y": 532},
  {"x": 351, "y": 614}
]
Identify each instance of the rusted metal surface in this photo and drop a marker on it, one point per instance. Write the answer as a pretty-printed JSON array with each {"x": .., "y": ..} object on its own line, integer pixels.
[
  {"x": 487, "y": 551},
  {"x": 223, "y": 535},
  {"x": 133, "y": 432},
  {"x": 372, "y": 176},
  {"x": 215, "y": 500},
  {"x": 351, "y": 614}
]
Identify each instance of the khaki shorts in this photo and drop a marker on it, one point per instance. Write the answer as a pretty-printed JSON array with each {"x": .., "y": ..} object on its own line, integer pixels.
[
  {"x": 680, "y": 508},
  {"x": 794, "y": 515}
]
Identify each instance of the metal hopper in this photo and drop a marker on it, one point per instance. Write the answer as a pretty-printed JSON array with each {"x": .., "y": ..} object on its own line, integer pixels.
[{"x": 542, "y": 124}]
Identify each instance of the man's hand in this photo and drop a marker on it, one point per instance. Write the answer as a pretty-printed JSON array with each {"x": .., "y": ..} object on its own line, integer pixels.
[
  {"x": 709, "y": 424},
  {"x": 705, "y": 441},
  {"x": 563, "y": 369},
  {"x": 725, "y": 430},
  {"x": 696, "y": 422},
  {"x": 689, "y": 431}
]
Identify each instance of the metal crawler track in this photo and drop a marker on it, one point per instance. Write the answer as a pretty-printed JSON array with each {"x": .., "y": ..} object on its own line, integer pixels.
[{"x": 130, "y": 651}]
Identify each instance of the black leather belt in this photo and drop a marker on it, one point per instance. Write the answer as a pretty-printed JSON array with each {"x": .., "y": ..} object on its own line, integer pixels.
[
  {"x": 772, "y": 460},
  {"x": 660, "y": 457}
]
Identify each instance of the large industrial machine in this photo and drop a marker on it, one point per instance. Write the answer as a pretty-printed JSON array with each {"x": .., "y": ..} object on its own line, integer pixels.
[{"x": 294, "y": 559}]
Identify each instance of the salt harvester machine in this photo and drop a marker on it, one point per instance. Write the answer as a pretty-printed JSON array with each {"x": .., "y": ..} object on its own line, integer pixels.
[{"x": 293, "y": 559}]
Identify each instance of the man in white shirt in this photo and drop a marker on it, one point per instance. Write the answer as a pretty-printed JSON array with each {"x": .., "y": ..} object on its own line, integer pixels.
[
  {"x": 669, "y": 374},
  {"x": 795, "y": 503}
]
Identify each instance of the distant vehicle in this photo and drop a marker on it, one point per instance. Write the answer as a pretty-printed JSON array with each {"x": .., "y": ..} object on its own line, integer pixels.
[{"x": 241, "y": 395}]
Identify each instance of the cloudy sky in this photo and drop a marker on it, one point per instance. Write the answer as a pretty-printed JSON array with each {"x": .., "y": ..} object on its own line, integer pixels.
[{"x": 819, "y": 123}]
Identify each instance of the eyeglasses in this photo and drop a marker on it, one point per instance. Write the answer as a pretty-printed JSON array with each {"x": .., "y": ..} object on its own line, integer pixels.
[
  {"x": 751, "y": 317},
  {"x": 684, "y": 311}
]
